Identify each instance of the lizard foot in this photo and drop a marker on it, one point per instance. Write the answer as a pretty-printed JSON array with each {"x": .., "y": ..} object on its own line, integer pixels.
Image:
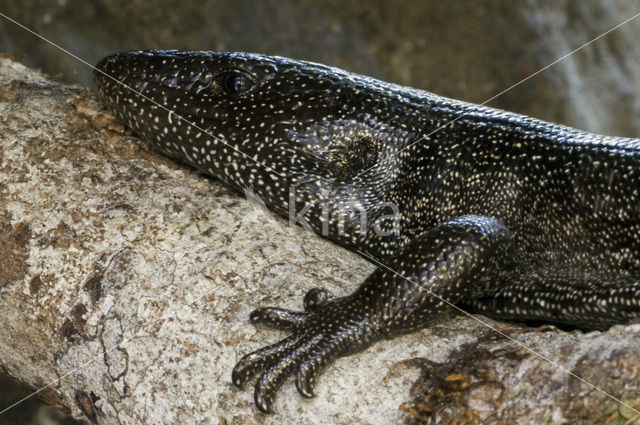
[{"x": 328, "y": 328}]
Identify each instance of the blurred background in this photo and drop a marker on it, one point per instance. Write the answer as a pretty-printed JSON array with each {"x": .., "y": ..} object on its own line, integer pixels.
[{"x": 465, "y": 49}]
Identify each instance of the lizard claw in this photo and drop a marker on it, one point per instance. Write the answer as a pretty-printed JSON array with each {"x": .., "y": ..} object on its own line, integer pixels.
[
  {"x": 252, "y": 363},
  {"x": 271, "y": 381},
  {"x": 309, "y": 370}
]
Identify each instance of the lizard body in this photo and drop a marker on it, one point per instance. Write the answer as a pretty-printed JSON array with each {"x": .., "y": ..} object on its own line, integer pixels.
[{"x": 495, "y": 212}]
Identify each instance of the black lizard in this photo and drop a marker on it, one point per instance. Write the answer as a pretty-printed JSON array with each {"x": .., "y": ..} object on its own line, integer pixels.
[{"x": 495, "y": 212}]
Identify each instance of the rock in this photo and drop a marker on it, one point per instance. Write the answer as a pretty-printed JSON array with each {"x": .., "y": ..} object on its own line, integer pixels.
[{"x": 126, "y": 282}]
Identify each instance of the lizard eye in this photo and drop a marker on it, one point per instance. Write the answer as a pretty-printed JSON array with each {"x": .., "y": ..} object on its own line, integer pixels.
[{"x": 233, "y": 82}]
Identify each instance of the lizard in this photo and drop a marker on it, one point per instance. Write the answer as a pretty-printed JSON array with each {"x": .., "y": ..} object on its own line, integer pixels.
[{"x": 491, "y": 211}]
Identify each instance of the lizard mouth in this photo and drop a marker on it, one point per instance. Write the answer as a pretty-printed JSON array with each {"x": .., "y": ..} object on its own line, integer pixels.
[
  {"x": 130, "y": 78},
  {"x": 120, "y": 70},
  {"x": 169, "y": 79},
  {"x": 120, "y": 84}
]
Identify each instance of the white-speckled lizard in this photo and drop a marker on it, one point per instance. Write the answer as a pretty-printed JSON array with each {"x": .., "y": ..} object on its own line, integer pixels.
[{"x": 498, "y": 213}]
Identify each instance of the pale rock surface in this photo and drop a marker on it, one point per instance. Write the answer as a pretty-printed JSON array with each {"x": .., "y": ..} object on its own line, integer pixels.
[{"x": 126, "y": 282}]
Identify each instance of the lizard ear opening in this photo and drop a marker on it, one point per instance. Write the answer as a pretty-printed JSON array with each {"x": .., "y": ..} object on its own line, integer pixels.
[{"x": 365, "y": 152}]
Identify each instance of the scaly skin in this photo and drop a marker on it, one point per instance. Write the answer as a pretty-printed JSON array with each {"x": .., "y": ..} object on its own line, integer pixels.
[{"x": 497, "y": 213}]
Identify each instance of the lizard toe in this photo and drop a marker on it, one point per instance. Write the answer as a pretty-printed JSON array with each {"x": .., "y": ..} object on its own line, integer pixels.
[
  {"x": 278, "y": 318},
  {"x": 309, "y": 370},
  {"x": 317, "y": 297},
  {"x": 270, "y": 382},
  {"x": 260, "y": 359}
]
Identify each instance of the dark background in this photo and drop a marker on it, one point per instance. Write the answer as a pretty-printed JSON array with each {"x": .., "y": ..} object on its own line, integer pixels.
[{"x": 465, "y": 49}]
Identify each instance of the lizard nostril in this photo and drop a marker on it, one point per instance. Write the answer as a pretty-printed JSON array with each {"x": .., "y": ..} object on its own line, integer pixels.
[{"x": 108, "y": 64}]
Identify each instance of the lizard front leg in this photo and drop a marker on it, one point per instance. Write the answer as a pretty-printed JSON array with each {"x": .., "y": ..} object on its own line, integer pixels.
[{"x": 455, "y": 260}]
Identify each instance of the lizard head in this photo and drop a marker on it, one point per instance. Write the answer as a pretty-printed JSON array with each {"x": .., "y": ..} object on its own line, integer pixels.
[{"x": 265, "y": 123}]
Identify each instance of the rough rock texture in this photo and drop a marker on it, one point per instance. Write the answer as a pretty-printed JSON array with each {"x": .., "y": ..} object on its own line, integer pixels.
[
  {"x": 118, "y": 257},
  {"x": 120, "y": 260},
  {"x": 126, "y": 282},
  {"x": 498, "y": 380}
]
